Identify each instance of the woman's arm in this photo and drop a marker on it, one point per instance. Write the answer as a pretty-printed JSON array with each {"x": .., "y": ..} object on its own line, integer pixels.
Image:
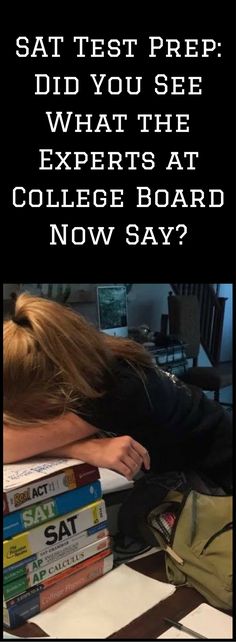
[
  {"x": 70, "y": 436},
  {"x": 22, "y": 442},
  {"x": 122, "y": 454}
]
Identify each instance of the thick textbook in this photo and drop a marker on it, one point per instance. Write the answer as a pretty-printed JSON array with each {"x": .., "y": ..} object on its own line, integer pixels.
[
  {"x": 53, "y": 532},
  {"x": 28, "y": 482},
  {"x": 88, "y": 571},
  {"x": 40, "y": 574},
  {"x": 68, "y": 548},
  {"x": 37, "y": 514},
  {"x": 52, "y": 581}
]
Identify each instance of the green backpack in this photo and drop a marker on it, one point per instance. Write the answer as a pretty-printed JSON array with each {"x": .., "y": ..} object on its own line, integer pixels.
[{"x": 198, "y": 551}]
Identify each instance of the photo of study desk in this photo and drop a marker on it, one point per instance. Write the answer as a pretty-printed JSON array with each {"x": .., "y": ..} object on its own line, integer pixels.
[{"x": 150, "y": 624}]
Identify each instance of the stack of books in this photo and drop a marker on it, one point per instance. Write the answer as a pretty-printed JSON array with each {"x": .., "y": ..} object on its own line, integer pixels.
[{"x": 56, "y": 538}]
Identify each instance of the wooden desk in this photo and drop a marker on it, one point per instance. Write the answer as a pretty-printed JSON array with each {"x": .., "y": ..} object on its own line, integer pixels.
[{"x": 150, "y": 624}]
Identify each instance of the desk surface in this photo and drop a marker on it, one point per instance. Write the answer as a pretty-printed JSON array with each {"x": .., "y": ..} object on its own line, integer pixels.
[{"x": 150, "y": 624}]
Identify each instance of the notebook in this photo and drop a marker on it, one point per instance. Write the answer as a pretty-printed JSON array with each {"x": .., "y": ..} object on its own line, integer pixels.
[{"x": 205, "y": 620}]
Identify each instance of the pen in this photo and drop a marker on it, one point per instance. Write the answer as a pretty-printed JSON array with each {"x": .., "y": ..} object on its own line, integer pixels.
[{"x": 181, "y": 627}]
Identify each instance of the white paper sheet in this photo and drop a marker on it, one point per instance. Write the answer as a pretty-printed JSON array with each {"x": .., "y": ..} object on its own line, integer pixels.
[
  {"x": 103, "y": 607},
  {"x": 205, "y": 620},
  {"x": 22, "y": 473},
  {"x": 25, "y": 472},
  {"x": 112, "y": 482}
]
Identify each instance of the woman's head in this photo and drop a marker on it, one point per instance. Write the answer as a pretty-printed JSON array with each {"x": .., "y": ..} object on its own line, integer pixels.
[{"x": 54, "y": 360}]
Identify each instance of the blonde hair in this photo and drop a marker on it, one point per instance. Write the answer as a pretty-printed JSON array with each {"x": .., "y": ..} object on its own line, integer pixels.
[{"x": 54, "y": 360}]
